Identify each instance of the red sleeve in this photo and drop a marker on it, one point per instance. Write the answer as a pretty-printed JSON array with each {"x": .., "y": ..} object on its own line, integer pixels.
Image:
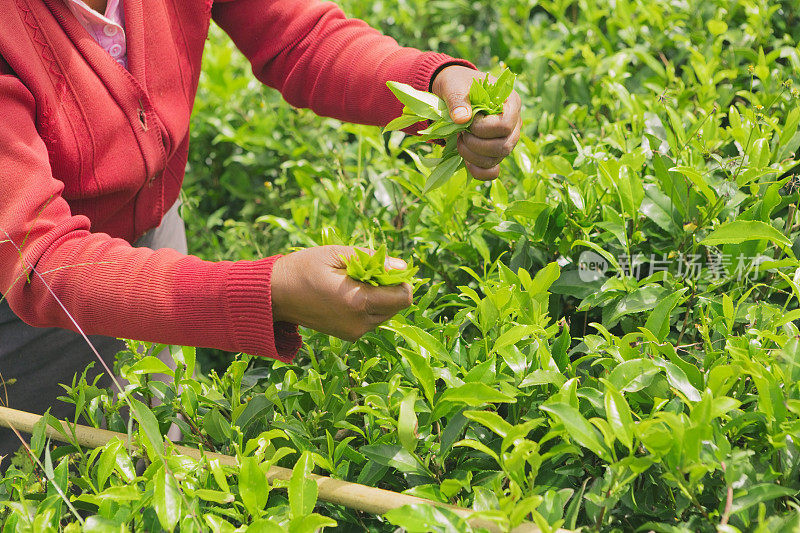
[
  {"x": 107, "y": 286},
  {"x": 318, "y": 58}
]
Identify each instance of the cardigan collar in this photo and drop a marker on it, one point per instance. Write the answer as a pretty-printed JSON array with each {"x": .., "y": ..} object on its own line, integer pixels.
[
  {"x": 127, "y": 87},
  {"x": 94, "y": 54}
]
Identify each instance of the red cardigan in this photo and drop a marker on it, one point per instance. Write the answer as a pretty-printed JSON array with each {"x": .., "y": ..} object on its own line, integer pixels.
[{"x": 92, "y": 155}]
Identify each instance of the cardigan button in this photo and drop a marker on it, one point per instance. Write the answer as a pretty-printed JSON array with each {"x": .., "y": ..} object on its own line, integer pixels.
[
  {"x": 143, "y": 119},
  {"x": 110, "y": 30}
]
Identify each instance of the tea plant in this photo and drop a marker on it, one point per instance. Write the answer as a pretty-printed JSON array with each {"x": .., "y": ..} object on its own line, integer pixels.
[{"x": 609, "y": 335}]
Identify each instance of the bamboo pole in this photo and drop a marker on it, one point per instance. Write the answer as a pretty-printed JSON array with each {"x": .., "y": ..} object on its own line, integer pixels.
[{"x": 353, "y": 495}]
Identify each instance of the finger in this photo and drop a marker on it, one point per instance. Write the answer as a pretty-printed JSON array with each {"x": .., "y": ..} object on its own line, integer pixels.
[
  {"x": 457, "y": 101},
  {"x": 483, "y": 174},
  {"x": 454, "y": 90},
  {"x": 376, "y": 320},
  {"x": 498, "y": 148},
  {"x": 502, "y": 125},
  {"x": 478, "y": 160},
  {"x": 337, "y": 255},
  {"x": 381, "y": 301},
  {"x": 394, "y": 263}
]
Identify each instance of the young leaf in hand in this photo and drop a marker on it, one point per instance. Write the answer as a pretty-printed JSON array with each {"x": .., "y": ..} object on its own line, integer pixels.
[
  {"x": 371, "y": 269},
  {"x": 485, "y": 97}
]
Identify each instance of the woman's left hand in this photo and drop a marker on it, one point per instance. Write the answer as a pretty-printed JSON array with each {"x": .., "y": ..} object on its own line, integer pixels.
[{"x": 490, "y": 138}]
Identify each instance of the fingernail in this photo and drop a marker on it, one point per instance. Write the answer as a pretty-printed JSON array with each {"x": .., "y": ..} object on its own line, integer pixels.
[
  {"x": 460, "y": 113},
  {"x": 397, "y": 264}
]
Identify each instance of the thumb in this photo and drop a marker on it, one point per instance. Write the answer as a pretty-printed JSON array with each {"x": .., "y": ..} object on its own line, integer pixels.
[
  {"x": 457, "y": 101},
  {"x": 459, "y": 106}
]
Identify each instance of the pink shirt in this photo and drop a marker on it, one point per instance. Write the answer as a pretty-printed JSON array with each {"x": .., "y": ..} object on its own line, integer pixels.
[{"x": 108, "y": 30}]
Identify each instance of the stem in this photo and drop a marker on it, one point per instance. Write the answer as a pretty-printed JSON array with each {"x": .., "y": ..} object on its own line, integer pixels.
[
  {"x": 744, "y": 152},
  {"x": 195, "y": 430},
  {"x": 728, "y": 503},
  {"x": 694, "y": 501},
  {"x": 686, "y": 315}
]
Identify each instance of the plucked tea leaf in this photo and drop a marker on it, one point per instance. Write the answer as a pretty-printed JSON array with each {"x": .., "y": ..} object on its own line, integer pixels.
[
  {"x": 422, "y": 103},
  {"x": 402, "y": 122},
  {"x": 485, "y": 97},
  {"x": 371, "y": 268}
]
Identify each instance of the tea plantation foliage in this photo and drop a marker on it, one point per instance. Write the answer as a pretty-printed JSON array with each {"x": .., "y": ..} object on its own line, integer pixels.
[{"x": 607, "y": 335}]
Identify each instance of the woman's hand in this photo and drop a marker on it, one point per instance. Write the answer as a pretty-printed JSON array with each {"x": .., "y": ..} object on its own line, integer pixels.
[
  {"x": 490, "y": 138},
  {"x": 311, "y": 287}
]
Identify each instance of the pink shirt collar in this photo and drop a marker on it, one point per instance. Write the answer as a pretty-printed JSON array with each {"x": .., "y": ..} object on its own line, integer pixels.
[{"x": 107, "y": 29}]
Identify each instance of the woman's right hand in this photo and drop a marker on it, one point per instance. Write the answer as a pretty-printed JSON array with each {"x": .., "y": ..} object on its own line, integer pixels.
[{"x": 311, "y": 287}]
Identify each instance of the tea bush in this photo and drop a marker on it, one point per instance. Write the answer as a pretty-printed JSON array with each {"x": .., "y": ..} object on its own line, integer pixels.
[{"x": 606, "y": 337}]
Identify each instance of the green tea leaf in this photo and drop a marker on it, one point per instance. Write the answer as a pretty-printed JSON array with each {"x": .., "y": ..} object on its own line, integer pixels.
[
  {"x": 148, "y": 425},
  {"x": 658, "y": 321},
  {"x": 419, "y": 518},
  {"x": 394, "y": 456},
  {"x": 407, "y": 422},
  {"x": 790, "y": 127},
  {"x": 760, "y": 493},
  {"x": 442, "y": 173},
  {"x": 150, "y": 365},
  {"x": 421, "y": 103},
  {"x": 402, "y": 122},
  {"x": 302, "y": 490},
  {"x": 421, "y": 370},
  {"x": 578, "y": 428},
  {"x": 310, "y": 524},
  {"x": 253, "y": 486},
  {"x": 215, "y": 496},
  {"x": 699, "y": 181},
  {"x": 503, "y": 87},
  {"x": 633, "y": 375},
  {"x": 491, "y": 420},
  {"x": 478, "y": 95},
  {"x": 475, "y": 394},
  {"x": 420, "y": 338},
  {"x": 618, "y": 414},
  {"x": 740, "y": 231},
  {"x": 371, "y": 268},
  {"x": 166, "y": 499}
]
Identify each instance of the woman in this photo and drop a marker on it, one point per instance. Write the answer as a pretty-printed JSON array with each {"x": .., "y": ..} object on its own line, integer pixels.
[{"x": 94, "y": 118}]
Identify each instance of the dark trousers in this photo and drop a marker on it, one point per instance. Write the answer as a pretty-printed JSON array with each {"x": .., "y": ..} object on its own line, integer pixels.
[{"x": 39, "y": 359}]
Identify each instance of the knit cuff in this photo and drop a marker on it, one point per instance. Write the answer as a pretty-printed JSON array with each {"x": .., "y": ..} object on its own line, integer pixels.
[
  {"x": 250, "y": 311},
  {"x": 429, "y": 64}
]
